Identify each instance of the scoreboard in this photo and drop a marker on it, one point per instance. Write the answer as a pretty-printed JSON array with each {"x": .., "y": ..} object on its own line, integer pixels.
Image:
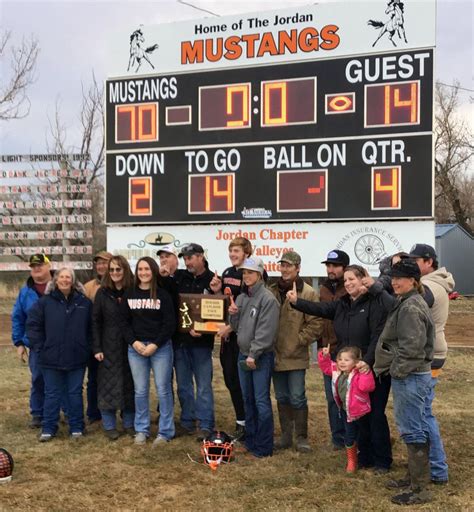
[{"x": 339, "y": 138}]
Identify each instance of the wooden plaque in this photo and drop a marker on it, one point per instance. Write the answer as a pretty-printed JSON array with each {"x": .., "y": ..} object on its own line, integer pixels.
[{"x": 204, "y": 313}]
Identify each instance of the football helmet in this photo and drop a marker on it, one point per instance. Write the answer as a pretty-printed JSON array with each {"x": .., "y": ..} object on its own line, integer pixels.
[
  {"x": 6, "y": 466},
  {"x": 217, "y": 449}
]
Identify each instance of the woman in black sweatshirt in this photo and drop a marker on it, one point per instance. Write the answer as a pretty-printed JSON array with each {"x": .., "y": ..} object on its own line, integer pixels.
[{"x": 148, "y": 323}]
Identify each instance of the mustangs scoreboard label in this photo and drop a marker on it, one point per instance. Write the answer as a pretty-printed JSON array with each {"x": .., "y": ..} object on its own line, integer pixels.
[{"x": 344, "y": 137}]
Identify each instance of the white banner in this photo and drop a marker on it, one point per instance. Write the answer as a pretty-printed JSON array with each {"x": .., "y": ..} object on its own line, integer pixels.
[
  {"x": 44, "y": 189},
  {"x": 318, "y": 31},
  {"x": 29, "y": 251},
  {"x": 365, "y": 242},
  {"x": 46, "y": 235},
  {"x": 23, "y": 265},
  {"x": 47, "y": 204},
  {"x": 46, "y": 219}
]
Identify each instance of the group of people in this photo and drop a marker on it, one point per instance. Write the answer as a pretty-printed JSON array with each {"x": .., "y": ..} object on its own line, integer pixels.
[{"x": 375, "y": 336}]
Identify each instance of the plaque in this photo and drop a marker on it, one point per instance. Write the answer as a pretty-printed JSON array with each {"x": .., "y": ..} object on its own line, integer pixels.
[{"x": 201, "y": 312}]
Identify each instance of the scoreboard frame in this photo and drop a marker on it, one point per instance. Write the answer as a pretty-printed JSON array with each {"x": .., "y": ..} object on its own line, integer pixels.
[{"x": 286, "y": 136}]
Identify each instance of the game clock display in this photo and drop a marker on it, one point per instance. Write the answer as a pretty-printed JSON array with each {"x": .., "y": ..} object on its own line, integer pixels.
[{"x": 322, "y": 140}]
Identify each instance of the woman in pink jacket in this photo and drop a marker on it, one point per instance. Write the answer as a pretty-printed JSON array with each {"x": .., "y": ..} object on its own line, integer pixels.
[{"x": 351, "y": 389}]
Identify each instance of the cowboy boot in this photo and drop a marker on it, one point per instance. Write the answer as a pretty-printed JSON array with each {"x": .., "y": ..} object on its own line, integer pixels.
[
  {"x": 351, "y": 452},
  {"x": 419, "y": 469},
  {"x": 285, "y": 413},
  {"x": 301, "y": 430}
]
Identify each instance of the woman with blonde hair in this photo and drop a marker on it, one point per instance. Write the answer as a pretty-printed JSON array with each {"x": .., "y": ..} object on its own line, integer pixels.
[
  {"x": 115, "y": 383},
  {"x": 59, "y": 329}
]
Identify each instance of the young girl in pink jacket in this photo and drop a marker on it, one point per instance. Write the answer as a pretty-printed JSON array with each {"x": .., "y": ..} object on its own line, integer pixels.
[{"x": 351, "y": 389}]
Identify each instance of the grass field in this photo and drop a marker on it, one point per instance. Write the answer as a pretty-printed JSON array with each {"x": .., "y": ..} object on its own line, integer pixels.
[{"x": 95, "y": 474}]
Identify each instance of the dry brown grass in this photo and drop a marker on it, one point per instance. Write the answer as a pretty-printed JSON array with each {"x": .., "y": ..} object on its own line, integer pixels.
[{"x": 98, "y": 475}]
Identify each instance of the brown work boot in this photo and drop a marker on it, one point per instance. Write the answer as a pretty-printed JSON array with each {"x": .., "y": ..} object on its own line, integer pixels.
[
  {"x": 301, "y": 430},
  {"x": 285, "y": 413}
]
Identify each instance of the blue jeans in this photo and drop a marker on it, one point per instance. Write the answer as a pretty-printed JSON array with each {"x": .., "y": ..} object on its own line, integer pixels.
[
  {"x": 336, "y": 423},
  {"x": 161, "y": 362},
  {"x": 195, "y": 362},
  {"x": 409, "y": 398},
  {"x": 290, "y": 388},
  {"x": 57, "y": 384},
  {"x": 109, "y": 418},
  {"x": 351, "y": 430},
  {"x": 258, "y": 406},
  {"x": 93, "y": 412},
  {"x": 438, "y": 464},
  {"x": 37, "y": 385}
]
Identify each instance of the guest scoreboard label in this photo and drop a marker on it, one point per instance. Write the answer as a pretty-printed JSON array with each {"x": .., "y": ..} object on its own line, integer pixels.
[{"x": 344, "y": 137}]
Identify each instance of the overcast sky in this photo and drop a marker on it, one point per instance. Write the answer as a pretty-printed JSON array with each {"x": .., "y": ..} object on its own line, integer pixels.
[{"x": 73, "y": 38}]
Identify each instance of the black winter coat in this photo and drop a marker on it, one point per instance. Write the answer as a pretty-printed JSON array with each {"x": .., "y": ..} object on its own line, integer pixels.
[
  {"x": 356, "y": 323},
  {"x": 59, "y": 329},
  {"x": 115, "y": 382}
]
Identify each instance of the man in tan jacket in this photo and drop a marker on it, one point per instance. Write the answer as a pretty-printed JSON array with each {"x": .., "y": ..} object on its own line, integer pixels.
[{"x": 296, "y": 332}]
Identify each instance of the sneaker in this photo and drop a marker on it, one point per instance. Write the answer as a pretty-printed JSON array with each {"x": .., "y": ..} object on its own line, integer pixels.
[
  {"x": 35, "y": 422},
  {"x": 77, "y": 435},
  {"x": 113, "y": 434},
  {"x": 45, "y": 438},
  {"x": 239, "y": 434},
  {"x": 159, "y": 441},
  {"x": 440, "y": 482},
  {"x": 201, "y": 434},
  {"x": 140, "y": 438}
]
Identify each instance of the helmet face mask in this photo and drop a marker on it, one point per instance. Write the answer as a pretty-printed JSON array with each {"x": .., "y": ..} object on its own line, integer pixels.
[
  {"x": 6, "y": 466},
  {"x": 217, "y": 449}
]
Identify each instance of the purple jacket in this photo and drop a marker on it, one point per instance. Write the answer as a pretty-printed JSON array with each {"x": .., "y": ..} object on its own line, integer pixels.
[{"x": 359, "y": 385}]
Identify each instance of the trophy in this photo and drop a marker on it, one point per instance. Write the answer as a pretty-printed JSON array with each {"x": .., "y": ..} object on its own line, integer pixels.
[{"x": 202, "y": 312}]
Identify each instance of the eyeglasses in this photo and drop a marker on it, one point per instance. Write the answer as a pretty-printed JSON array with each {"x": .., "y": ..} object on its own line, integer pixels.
[{"x": 115, "y": 270}]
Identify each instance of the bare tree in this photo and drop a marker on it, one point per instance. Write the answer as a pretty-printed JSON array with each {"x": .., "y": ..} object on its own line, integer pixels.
[
  {"x": 454, "y": 151},
  {"x": 18, "y": 73}
]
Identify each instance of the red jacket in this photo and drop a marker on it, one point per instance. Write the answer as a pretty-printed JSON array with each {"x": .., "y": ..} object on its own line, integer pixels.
[{"x": 359, "y": 385}]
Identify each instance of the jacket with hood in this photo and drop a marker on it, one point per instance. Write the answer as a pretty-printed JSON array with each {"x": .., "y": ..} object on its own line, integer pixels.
[
  {"x": 359, "y": 385},
  {"x": 27, "y": 297},
  {"x": 60, "y": 329},
  {"x": 256, "y": 322},
  {"x": 440, "y": 282},
  {"x": 406, "y": 343}
]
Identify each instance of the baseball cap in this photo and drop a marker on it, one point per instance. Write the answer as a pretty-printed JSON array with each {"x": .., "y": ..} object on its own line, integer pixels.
[
  {"x": 103, "y": 255},
  {"x": 38, "y": 259},
  {"x": 170, "y": 249},
  {"x": 291, "y": 257},
  {"x": 422, "y": 251},
  {"x": 405, "y": 268},
  {"x": 190, "y": 250},
  {"x": 337, "y": 257},
  {"x": 255, "y": 264}
]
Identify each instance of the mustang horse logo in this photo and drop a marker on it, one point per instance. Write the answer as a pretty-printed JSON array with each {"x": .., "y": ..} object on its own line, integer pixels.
[
  {"x": 395, "y": 24},
  {"x": 137, "y": 53}
]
